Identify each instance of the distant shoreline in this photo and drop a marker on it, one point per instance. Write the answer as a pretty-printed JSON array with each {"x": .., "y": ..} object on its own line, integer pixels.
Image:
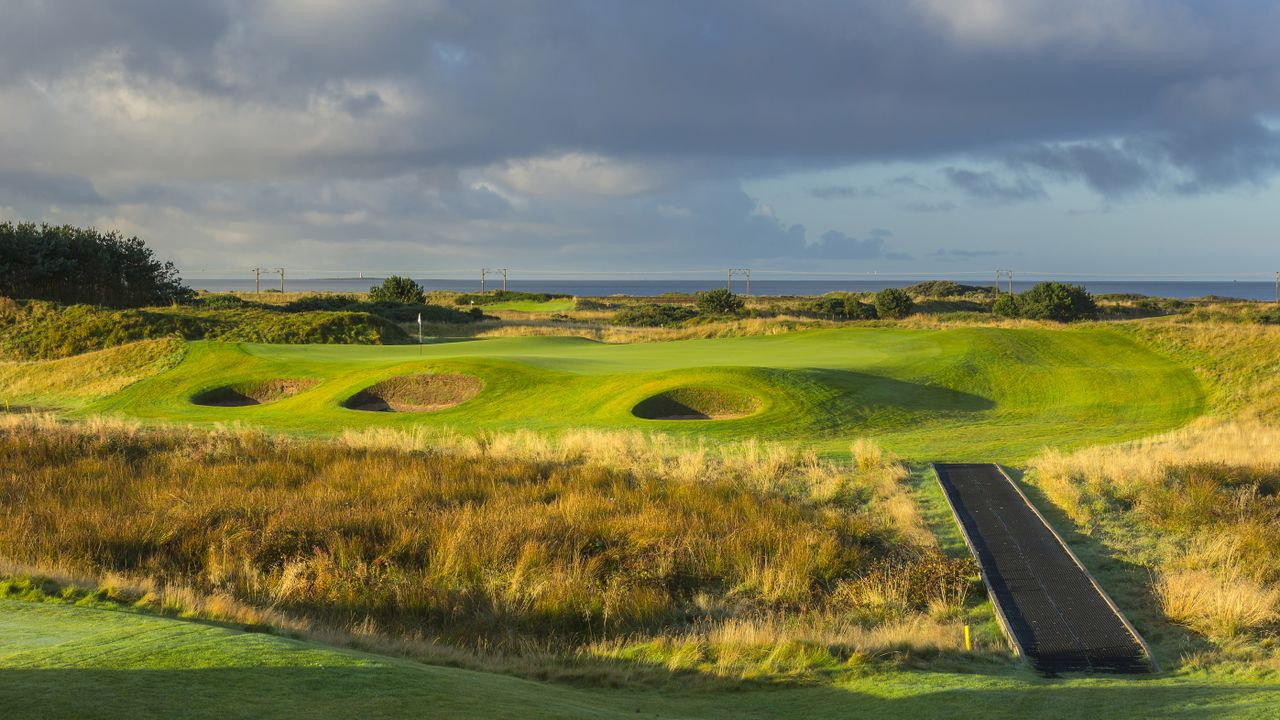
[{"x": 1182, "y": 289}]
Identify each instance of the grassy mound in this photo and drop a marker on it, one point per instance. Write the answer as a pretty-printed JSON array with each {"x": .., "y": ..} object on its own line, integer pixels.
[
  {"x": 72, "y": 381},
  {"x": 42, "y": 330},
  {"x": 697, "y": 403},
  {"x": 258, "y": 392},
  {"x": 416, "y": 393}
]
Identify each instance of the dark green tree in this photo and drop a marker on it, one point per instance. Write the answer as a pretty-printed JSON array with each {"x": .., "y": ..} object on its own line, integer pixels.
[
  {"x": 894, "y": 303},
  {"x": 74, "y": 265},
  {"x": 398, "y": 290},
  {"x": 719, "y": 302}
]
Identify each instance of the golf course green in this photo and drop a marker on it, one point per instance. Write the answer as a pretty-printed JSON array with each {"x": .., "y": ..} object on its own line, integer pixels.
[{"x": 961, "y": 393}]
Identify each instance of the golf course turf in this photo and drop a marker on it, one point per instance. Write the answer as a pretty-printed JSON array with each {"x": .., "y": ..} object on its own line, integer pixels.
[
  {"x": 968, "y": 393},
  {"x": 66, "y": 661},
  {"x": 952, "y": 394}
]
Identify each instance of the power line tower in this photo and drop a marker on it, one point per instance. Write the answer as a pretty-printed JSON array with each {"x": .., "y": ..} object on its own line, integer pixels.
[
  {"x": 740, "y": 272},
  {"x": 493, "y": 271},
  {"x": 1000, "y": 274}
]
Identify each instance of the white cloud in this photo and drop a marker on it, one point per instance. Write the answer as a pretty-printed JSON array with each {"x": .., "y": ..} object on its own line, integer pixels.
[{"x": 573, "y": 173}]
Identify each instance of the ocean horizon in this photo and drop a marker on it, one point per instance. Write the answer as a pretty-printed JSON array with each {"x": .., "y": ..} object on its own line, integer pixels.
[{"x": 1181, "y": 289}]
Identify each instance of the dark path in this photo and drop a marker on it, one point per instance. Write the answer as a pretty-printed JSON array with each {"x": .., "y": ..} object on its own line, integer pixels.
[{"x": 1058, "y": 617}]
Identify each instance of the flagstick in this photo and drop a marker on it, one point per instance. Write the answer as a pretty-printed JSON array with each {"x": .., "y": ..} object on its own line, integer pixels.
[{"x": 419, "y": 333}]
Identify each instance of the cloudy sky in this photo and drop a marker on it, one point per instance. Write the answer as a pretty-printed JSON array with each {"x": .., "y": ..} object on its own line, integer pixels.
[{"x": 904, "y": 136}]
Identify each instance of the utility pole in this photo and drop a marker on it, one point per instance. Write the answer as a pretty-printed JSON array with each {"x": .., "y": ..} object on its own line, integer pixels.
[
  {"x": 281, "y": 271},
  {"x": 1278, "y": 287},
  {"x": 997, "y": 282},
  {"x": 741, "y": 272},
  {"x": 257, "y": 280},
  {"x": 1010, "y": 282},
  {"x": 486, "y": 271}
]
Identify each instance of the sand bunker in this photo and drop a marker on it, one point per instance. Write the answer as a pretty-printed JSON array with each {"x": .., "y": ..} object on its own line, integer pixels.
[
  {"x": 697, "y": 403},
  {"x": 254, "y": 393},
  {"x": 416, "y": 393}
]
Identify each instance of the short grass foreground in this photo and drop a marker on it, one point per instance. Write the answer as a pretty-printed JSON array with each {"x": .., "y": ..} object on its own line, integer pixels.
[
  {"x": 59, "y": 660},
  {"x": 958, "y": 393}
]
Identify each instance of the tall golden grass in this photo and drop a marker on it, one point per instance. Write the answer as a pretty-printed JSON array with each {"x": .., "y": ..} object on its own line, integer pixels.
[
  {"x": 1205, "y": 497},
  {"x": 507, "y": 543}
]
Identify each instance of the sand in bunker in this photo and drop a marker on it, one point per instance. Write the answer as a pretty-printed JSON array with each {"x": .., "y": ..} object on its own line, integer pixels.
[{"x": 416, "y": 393}]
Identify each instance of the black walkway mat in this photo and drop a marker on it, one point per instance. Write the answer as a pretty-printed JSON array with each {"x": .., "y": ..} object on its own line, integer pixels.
[{"x": 1058, "y": 617}]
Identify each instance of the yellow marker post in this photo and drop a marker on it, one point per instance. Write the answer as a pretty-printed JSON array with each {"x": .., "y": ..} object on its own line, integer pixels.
[{"x": 968, "y": 643}]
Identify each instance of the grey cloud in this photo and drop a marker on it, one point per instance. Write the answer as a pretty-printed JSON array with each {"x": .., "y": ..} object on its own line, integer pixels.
[
  {"x": 520, "y": 80},
  {"x": 926, "y": 207},
  {"x": 989, "y": 186},
  {"x": 831, "y": 192},
  {"x": 944, "y": 253},
  {"x": 359, "y": 121},
  {"x": 902, "y": 183},
  {"x": 19, "y": 186},
  {"x": 838, "y": 245}
]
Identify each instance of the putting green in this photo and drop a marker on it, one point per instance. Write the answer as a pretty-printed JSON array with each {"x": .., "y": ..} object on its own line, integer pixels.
[{"x": 961, "y": 393}]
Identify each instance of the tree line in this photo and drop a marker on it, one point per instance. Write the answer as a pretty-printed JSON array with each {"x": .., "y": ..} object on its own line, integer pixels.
[{"x": 73, "y": 265}]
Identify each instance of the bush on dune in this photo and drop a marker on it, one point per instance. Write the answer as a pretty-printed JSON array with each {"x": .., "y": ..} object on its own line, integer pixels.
[
  {"x": 894, "y": 303},
  {"x": 718, "y": 302},
  {"x": 41, "y": 330},
  {"x": 397, "y": 290},
  {"x": 653, "y": 315}
]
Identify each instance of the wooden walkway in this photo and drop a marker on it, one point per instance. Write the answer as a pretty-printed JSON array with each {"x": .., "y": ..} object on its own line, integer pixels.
[{"x": 1054, "y": 612}]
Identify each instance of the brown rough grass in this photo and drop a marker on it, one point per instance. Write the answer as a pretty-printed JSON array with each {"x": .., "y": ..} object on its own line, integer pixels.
[
  {"x": 1206, "y": 497},
  {"x": 500, "y": 543}
]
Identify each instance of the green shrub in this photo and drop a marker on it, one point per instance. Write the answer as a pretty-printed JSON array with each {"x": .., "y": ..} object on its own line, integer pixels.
[
  {"x": 222, "y": 301},
  {"x": 500, "y": 296},
  {"x": 1005, "y": 306},
  {"x": 394, "y": 311},
  {"x": 44, "y": 330},
  {"x": 840, "y": 307},
  {"x": 719, "y": 302},
  {"x": 1057, "y": 301},
  {"x": 398, "y": 290},
  {"x": 894, "y": 303},
  {"x": 653, "y": 315},
  {"x": 946, "y": 288}
]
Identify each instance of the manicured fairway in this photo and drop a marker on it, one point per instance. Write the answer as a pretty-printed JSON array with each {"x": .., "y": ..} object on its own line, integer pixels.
[
  {"x": 62, "y": 661},
  {"x": 965, "y": 393},
  {"x": 532, "y": 306}
]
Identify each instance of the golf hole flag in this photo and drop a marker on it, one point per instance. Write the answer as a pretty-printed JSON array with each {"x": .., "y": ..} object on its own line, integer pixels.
[{"x": 419, "y": 328}]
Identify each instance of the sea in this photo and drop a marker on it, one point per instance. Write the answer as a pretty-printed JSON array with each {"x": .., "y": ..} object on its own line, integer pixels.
[{"x": 1183, "y": 289}]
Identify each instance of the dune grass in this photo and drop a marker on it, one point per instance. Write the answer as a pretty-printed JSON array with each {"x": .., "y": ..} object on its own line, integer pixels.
[
  {"x": 956, "y": 393},
  {"x": 603, "y": 545},
  {"x": 72, "y": 382}
]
